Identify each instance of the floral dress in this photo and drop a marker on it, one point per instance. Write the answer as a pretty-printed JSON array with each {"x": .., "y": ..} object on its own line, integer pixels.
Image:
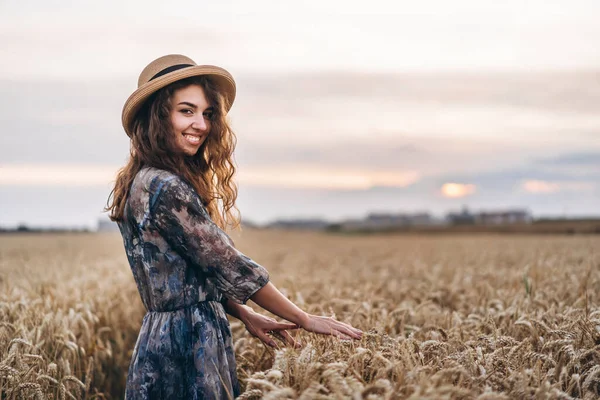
[{"x": 184, "y": 267}]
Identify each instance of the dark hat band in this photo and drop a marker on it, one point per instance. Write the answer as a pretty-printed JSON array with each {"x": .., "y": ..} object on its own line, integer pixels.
[{"x": 170, "y": 69}]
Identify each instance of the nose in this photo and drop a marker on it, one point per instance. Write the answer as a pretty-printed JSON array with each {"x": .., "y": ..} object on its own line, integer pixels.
[{"x": 200, "y": 124}]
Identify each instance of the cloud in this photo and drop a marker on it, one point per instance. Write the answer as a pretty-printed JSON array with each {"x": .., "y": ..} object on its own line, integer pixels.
[
  {"x": 544, "y": 187},
  {"x": 575, "y": 91},
  {"x": 266, "y": 35},
  {"x": 583, "y": 158},
  {"x": 571, "y": 171},
  {"x": 82, "y": 126},
  {"x": 86, "y": 48},
  {"x": 525, "y": 108},
  {"x": 360, "y": 140}
]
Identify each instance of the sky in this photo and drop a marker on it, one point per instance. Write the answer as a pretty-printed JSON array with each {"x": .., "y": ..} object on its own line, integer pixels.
[{"x": 343, "y": 107}]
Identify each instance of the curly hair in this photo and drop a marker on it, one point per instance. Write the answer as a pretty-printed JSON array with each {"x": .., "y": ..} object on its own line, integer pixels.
[{"x": 210, "y": 171}]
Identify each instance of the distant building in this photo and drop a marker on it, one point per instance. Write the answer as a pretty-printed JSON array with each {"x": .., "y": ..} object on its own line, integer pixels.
[
  {"x": 309, "y": 224},
  {"x": 384, "y": 220},
  {"x": 461, "y": 218},
  {"x": 504, "y": 217}
]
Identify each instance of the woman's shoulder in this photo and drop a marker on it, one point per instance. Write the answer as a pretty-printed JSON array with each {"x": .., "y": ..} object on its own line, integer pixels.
[
  {"x": 152, "y": 181},
  {"x": 151, "y": 178},
  {"x": 156, "y": 182}
]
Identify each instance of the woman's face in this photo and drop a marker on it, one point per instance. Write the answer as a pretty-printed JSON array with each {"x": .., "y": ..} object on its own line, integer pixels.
[{"x": 190, "y": 118}]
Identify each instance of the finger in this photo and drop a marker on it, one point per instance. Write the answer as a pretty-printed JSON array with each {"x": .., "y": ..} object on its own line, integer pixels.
[
  {"x": 287, "y": 338},
  {"x": 353, "y": 329},
  {"x": 282, "y": 325},
  {"x": 347, "y": 326},
  {"x": 333, "y": 330},
  {"x": 266, "y": 340},
  {"x": 340, "y": 335},
  {"x": 342, "y": 328},
  {"x": 353, "y": 333}
]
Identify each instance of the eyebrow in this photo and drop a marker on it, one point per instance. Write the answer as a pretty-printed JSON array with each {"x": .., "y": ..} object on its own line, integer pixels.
[
  {"x": 192, "y": 105},
  {"x": 185, "y": 103}
]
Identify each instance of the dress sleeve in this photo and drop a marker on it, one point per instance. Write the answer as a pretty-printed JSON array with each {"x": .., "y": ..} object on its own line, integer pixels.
[{"x": 180, "y": 217}]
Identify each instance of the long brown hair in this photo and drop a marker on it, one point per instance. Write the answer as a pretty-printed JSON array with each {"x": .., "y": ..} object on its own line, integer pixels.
[{"x": 210, "y": 171}]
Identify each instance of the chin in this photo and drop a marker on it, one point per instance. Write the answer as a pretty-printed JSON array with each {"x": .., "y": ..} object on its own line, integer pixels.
[{"x": 190, "y": 153}]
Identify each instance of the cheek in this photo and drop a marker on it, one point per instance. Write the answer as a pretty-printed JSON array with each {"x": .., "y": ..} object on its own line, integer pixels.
[{"x": 177, "y": 123}]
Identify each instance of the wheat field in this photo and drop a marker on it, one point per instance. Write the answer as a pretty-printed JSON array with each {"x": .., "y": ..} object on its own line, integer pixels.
[{"x": 445, "y": 317}]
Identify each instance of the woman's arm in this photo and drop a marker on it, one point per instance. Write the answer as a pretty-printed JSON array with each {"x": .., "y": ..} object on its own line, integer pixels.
[
  {"x": 178, "y": 215},
  {"x": 259, "y": 325},
  {"x": 271, "y": 299},
  {"x": 234, "y": 309}
]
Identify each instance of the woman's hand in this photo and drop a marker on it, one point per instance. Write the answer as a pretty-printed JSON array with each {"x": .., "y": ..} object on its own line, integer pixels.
[
  {"x": 330, "y": 326},
  {"x": 261, "y": 326},
  {"x": 271, "y": 299}
]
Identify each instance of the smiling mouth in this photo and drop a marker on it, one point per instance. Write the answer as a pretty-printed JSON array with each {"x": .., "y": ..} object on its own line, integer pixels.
[{"x": 192, "y": 139}]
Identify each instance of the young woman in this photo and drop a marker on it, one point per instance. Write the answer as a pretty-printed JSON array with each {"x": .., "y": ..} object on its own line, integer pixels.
[{"x": 172, "y": 202}]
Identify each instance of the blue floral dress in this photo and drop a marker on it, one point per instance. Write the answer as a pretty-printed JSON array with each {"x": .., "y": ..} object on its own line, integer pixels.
[{"x": 184, "y": 267}]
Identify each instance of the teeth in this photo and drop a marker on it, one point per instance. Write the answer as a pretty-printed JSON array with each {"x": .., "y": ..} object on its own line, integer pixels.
[{"x": 192, "y": 138}]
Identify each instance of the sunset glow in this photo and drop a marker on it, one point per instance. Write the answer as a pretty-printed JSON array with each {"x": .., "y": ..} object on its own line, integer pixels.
[
  {"x": 534, "y": 186},
  {"x": 326, "y": 178},
  {"x": 74, "y": 175},
  {"x": 538, "y": 186},
  {"x": 286, "y": 177},
  {"x": 457, "y": 190}
]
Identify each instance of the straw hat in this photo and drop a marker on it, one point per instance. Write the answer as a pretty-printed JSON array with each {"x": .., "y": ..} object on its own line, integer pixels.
[{"x": 166, "y": 70}]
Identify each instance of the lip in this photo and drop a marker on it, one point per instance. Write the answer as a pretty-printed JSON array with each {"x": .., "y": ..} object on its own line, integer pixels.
[{"x": 194, "y": 135}]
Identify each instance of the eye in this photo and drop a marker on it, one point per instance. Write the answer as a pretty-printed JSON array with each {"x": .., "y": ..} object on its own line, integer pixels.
[
  {"x": 208, "y": 114},
  {"x": 186, "y": 111}
]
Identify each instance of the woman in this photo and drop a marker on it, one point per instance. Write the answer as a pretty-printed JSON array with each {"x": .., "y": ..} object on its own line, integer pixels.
[{"x": 172, "y": 202}]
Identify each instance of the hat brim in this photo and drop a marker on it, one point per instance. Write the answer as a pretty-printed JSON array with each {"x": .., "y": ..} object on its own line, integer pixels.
[{"x": 223, "y": 80}]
